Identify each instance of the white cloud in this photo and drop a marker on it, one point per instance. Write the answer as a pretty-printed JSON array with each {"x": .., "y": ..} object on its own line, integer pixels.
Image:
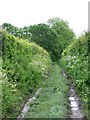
[{"x": 25, "y": 12}]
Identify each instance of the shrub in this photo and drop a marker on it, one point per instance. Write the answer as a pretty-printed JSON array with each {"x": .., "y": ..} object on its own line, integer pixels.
[
  {"x": 75, "y": 62},
  {"x": 24, "y": 65}
]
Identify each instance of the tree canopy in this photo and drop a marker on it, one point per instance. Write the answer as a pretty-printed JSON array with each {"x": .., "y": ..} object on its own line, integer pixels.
[
  {"x": 63, "y": 30},
  {"x": 54, "y": 36},
  {"x": 46, "y": 37}
]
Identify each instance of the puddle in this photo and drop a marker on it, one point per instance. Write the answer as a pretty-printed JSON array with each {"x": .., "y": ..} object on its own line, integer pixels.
[
  {"x": 76, "y": 111},
  {"x": 71, "y": 98},
  {"x": 74, "y": 103}
]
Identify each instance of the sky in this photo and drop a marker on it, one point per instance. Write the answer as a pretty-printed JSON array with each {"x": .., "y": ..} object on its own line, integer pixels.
[{"x": 22, "y": 13}]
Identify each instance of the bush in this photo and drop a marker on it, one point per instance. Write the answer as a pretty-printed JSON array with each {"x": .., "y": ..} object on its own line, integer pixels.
[
  {"x": 75, "y": 62},
  {"x": 10, "y": 96},
  {"x": 24, "y": 65}
]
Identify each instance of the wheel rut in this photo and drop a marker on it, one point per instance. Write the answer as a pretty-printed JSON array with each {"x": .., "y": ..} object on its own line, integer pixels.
[
  {"x": 75, "y": 106},
  {"x": 27, "y": 105}
]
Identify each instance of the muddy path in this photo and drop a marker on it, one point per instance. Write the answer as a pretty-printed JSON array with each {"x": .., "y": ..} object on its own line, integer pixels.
[
  {"x": 52, "y": 101},
  {"x": 74, "y": 101},
  {"x": 27, "y": 106},
  {"x": 75, "y": 105}
]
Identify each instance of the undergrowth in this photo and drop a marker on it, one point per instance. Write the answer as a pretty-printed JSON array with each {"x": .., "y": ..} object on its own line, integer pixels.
[{"x": 24, "y": 65}]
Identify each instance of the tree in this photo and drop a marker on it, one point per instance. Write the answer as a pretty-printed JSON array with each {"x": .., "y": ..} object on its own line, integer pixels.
[
  {"x": 47, "y": 38},
  {"x": 63, "y": 30},
  {"x": 10, "y": 28},
  {"x": 18, "y": 32},
  {"x": 54, "y": 36}
]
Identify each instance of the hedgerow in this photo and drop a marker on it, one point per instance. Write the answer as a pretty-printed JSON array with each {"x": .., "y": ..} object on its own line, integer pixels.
[
  {"x": 24, "y": 65},
  {"x": 41, "y": 34},
  {"x": 53, "y": 37},
  {"x": 75, "y": 62}
]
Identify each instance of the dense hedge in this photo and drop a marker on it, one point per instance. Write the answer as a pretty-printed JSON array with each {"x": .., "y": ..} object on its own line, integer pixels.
[
  {"x": 75, "y": 62},
  {"x": 24, "y": 66},
  {"x": 41, "y": 34},
  {"x": 53, "y": 37}
]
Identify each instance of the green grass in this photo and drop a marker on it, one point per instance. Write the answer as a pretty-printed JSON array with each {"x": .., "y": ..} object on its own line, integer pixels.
[{"x": 53, "y": 99}]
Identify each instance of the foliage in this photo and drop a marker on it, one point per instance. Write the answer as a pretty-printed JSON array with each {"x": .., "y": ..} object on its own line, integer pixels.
[
  {"x": 43, "y": 35},
  {"x": 24, "y": 65},
  {"x": 53, "y": 99},
  {"x": 75, "y": 62},
  {"x": 18, "y": 32},
  {"x": 54, "y": 37},
  {"x": 63, "y": 30},
  {"x": 11, "y": 96}
]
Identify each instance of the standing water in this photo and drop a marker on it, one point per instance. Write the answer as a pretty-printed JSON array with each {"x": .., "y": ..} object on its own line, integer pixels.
[{"x": 76, "y": 111}]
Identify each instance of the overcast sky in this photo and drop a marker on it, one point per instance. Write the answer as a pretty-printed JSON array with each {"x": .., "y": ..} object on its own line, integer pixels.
[{"x": 27, "y": 12}]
